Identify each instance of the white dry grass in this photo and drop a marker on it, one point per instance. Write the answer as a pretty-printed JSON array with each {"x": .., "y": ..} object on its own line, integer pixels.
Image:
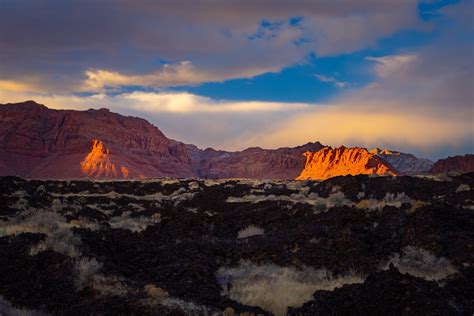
[
  {"x": 335, "y": 199},
  {"x": 134, "y": 224},
  {"x": 250, "y": 231},
  {"x": 390, "y": 199},
  {"x": 59, "y": 236},
  {"x": 463, "y": 187},
  {"x": 88, "y": 271},
  {"x": 159, "y": 296},
  {"x": 275, "y": 288},
  {"x": 421, "y": 263}
]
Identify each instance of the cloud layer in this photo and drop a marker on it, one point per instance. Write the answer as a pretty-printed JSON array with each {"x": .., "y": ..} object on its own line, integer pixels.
[
  {"x": 129, "y": 56},
  {"x": 94, "y": 44}
]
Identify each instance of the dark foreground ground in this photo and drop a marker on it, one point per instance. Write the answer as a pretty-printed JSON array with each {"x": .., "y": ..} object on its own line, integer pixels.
[{"x": 349, "y": 245}]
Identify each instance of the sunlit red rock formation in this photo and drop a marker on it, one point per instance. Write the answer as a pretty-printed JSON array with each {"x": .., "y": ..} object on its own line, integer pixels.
[
  {"x": 281, "y": 163},
  {"x": 98, "y": 163},
  {"x": 403, "y": 162},
  {"x": 454, "y": 164},
  {"x": 38, "y": 142},
  {"x": 329, "y": 162}
]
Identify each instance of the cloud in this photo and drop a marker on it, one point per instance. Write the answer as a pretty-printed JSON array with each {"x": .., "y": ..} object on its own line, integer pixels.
[
  {"x": 395, "y": 65},
  {"x": 348, "y": 124},
  {"x": 420, "y": 100},
  {"x": 180, "y": 74},
  {"x": 235, "y": 125},
  {"x": 116, "y": 42},
  {"x": 333, "y": 81},
  {"x": 10, "y": 85}
]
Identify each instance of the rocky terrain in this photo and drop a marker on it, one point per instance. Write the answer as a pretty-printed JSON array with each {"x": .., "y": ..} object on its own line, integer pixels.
[
  {"x": 452, "y": 164},
  {"x": 37, "y": 142},
  {"x": 252, "y": 163},
  {"x": 366, "y": 245},
  {"x": 330, "y": 162}
]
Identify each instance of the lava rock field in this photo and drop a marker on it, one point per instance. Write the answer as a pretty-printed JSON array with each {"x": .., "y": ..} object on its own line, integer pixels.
[{"x": 352, "y": 245}]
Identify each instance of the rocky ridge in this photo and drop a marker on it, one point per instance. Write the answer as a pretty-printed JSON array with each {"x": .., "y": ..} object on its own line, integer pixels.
[
  {"x": 454, "y": 164},
  {"x": 403, "y": 162},
  {"x": 329, "y": 162},
  {"x": 37, "y": 142}
]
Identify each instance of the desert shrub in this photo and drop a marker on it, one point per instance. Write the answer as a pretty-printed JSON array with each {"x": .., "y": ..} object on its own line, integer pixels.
[
  {"x": 275, "y": 288},
  {"x": 250, "y": 231},
  {"x": 421, "y": 263},
  {"x": 463, "y": 187}
]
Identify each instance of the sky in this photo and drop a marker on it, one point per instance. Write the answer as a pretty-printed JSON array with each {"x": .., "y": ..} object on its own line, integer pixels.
[{"x": 231, "y": 74}]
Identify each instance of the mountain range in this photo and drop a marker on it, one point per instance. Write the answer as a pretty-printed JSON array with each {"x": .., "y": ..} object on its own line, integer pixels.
[{"x": 38, "y": 142}]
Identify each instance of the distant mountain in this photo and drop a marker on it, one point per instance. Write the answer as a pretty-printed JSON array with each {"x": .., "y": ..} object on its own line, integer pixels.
[
  {"x": 38, "y": 142},
  {"x": 329, "y": 162},
  {"x": 403, "y": 162},
  {"x": 451, "y": 164},
  {"x": 282, "y": 163}
]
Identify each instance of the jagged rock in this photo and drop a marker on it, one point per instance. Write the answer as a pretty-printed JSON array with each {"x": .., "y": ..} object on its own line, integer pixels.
[
  {"x": 186, "y": 258},
  {"x": 330, "y": 162},
  {"x": 408, "y": 296}
]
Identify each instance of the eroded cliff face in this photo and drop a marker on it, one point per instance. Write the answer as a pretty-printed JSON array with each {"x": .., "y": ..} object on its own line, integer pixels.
[
  {"x": 454, "y": 164},
  {"x": 329, "y": 162},
  {"x": 403, "y": 162},
  {"x": 257, "y": 163},
  {"x": 38, "y": 142},
  {"x": 98, "y": 163}
]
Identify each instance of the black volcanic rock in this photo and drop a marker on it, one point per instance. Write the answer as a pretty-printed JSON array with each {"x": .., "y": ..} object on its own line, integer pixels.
[
  {"x": 348, "y": 245},
  {"x": 392, "y": 293}
]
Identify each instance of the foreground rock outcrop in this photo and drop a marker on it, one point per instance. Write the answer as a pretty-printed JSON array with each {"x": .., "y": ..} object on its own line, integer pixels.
[
  {"x": 363, "y": 245},
  {"x": 330, "y": 162},
  {"x": 454, "y": 164}
]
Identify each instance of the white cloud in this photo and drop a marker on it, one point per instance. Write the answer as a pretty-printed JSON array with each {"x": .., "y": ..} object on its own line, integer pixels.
[
  {"x": 392, "y": 66},
  {"x": 332, "y": 80},
  {"x": 235, "y": 124},
  {"x": 183, "y": 73}
]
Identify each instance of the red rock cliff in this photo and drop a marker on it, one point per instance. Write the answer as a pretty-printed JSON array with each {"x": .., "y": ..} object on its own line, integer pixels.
[
  {"x": 258, "y": 163},
  {"x": 451, "y": 164},
  {"x": 341, "y": 161},
  {"x": 38, "y": 142}
]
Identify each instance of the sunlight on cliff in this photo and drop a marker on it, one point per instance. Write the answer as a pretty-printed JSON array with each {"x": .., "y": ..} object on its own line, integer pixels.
[
  {"x": 342, "y": 161},
  {"x": 98, "y": 163}
]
